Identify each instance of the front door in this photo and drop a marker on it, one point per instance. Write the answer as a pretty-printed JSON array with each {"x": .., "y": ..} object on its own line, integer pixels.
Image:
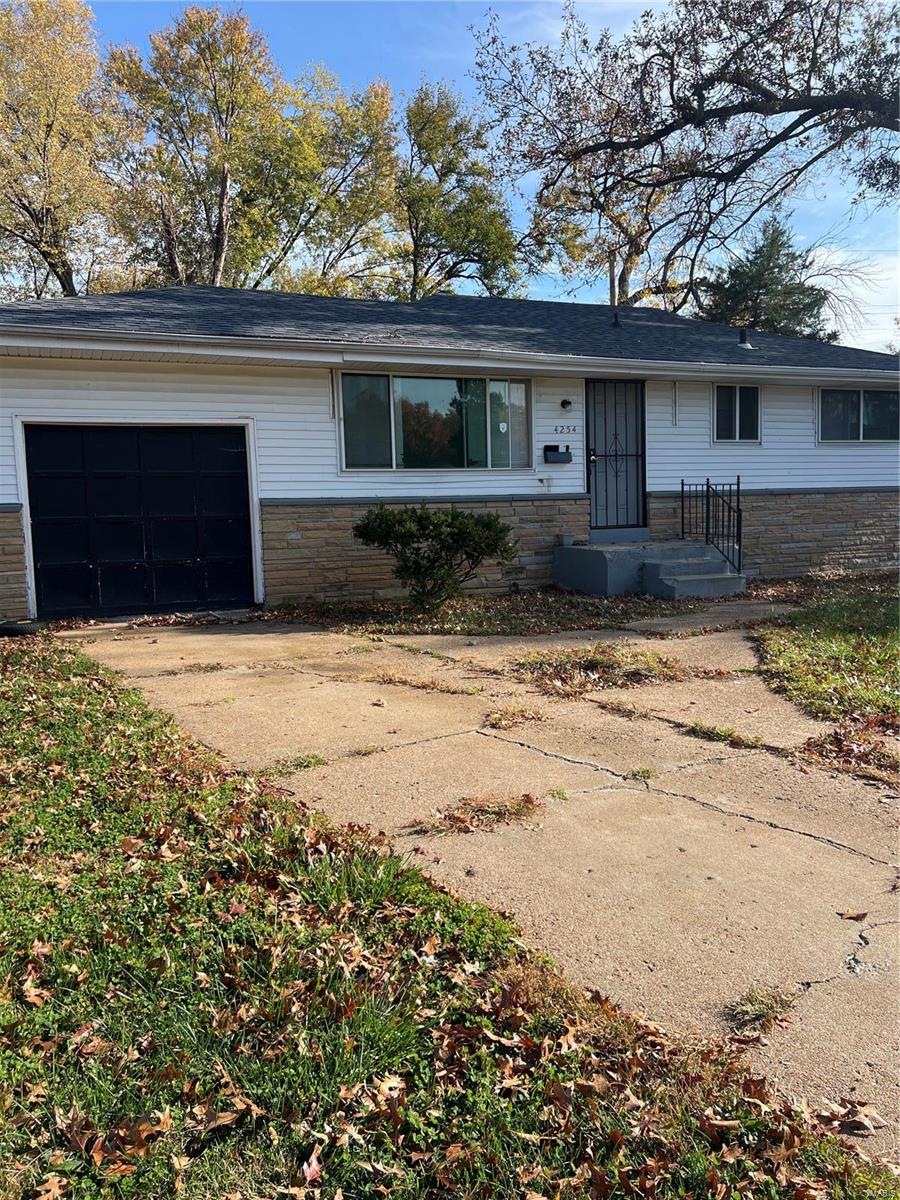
[{"x": 616, "y": 453}]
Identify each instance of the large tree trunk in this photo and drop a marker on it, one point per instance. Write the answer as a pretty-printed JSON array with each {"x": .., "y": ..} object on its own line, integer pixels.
[
  {"x": 170, "y": 241},
  {"x": 220, "y": 247},
  {"x": 63, "y": 273}
]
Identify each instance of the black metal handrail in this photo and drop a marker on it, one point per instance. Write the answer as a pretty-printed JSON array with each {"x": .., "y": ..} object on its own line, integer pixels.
[{"x": 713, "y": 511}]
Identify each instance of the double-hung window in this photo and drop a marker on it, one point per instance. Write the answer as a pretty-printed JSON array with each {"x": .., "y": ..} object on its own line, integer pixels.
[
  {"x": 433, "y": 423},
  {"x": 736, "y": 413},
  {"x": 858, "y": 415}
]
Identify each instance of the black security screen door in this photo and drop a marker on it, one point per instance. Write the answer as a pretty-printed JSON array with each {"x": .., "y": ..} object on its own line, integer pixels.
[
  {"x": 616, "y": 455},
  {"x": 134, "y": 519}
]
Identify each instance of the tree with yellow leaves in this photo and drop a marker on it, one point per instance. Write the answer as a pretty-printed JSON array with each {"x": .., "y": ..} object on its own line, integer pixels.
[{"x": 57, "y": 134}]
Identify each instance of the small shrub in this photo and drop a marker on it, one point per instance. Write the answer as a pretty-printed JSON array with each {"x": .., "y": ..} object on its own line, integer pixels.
[{"x": 435, "y": 551}]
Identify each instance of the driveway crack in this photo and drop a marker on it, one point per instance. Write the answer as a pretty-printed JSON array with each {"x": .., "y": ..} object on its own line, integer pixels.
[
  {"x": 630, "y": 782},
  {"x": 769, "y": 824}
]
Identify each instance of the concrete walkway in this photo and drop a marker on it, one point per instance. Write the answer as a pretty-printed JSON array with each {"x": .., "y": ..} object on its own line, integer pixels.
[{"x": 669, "y": 872}]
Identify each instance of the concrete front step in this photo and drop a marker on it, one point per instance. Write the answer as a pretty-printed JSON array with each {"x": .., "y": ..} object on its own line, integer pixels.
[
  {"x": 682, "y": 586},
  {"x": 652, "y": 571},
  {"x": 670, "y": 569}
]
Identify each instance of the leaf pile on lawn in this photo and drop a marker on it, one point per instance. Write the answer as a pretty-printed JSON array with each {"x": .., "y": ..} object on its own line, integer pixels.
[
  {"x": 207, "y": 993},
  {"x": 821, "y": 584},
  {"x": 867, "y": 748},
  {"x": 514, "y": 614},
  {"x": 604, "y": 665}
]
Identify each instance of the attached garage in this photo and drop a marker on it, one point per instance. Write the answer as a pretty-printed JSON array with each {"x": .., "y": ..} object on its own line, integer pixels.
[{"x": 138, "y": 518}]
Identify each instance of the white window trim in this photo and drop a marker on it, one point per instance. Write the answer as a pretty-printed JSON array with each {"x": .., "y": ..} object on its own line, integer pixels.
[
  {"x": 858, "y": 441},
  {"x": 736, "y": 441},
  {"x": 437, "y": 472},
  {"x": 248, "y": 424}
]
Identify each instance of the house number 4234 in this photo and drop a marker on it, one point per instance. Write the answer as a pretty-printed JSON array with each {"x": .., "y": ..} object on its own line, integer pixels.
[{"x": 565, "y": 428}]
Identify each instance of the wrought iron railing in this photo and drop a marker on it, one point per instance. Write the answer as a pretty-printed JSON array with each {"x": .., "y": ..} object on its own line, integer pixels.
[{"x": 712, "y": 511}]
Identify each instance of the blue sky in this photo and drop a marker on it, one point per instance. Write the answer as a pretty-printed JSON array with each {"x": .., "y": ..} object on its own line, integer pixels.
[{"x": 404, "y": 41}]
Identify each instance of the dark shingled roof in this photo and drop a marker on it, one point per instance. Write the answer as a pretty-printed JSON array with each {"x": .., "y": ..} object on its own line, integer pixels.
[{"x": 443, "y": 322}]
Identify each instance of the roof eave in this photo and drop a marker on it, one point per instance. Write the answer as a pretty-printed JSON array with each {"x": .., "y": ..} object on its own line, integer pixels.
[{"x": 31, "y": 341}]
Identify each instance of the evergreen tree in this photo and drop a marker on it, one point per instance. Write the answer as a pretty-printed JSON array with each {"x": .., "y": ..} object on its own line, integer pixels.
[{"x": 768, "y": 287}]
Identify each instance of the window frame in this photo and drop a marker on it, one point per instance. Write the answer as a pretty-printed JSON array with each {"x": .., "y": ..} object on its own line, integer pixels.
[
  {"x": 713, "y": 404},
  {"x": 860, "y": 390},
  {"x": 414, "y": 373}
]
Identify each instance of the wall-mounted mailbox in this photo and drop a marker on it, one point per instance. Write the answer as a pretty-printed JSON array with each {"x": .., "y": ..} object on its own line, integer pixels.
[{"x": 557, "y": 454}]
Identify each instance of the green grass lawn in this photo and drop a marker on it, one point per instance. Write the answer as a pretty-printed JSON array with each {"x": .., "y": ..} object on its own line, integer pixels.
[
  {"x": 838, "y": 654},
  {"x": 205, "y": 992}
]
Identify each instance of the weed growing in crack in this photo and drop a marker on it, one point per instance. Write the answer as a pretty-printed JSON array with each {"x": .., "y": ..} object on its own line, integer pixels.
[
  {"x": 758, "y": 1009},
  {"x": 511, "y": 716},
  {"x": 394, "y": 679},
  {"x": 477, "y": 813},
  {"x": 641, "y": 773},
  {"x": 722, "y": 733},
  {"x": 298, "y": 762}
]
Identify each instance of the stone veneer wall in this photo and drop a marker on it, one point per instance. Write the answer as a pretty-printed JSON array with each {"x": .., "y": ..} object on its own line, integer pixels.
[
  {"x": 12, "y": 565},
  {"x": 309, "y": 549},
  {"x": 790, "y": 533}
]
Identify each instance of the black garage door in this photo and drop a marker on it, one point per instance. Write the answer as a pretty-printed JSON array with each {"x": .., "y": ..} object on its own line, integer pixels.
[{"x": 135, "y": 519}]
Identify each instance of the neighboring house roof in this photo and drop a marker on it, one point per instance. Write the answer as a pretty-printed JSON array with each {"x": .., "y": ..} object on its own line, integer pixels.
[{"x": 442, "y": 322}]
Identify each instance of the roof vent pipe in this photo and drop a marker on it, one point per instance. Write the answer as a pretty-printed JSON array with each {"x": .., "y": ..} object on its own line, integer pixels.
[{"x": 744, "y": 341}]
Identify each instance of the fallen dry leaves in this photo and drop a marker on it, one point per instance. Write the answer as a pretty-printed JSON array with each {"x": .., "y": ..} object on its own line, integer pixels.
[{"x": 245, "y": 984}]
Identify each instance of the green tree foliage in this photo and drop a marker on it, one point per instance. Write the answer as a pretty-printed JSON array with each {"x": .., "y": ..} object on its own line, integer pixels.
[
  {"x": 451, "y": 219},
  {"x": 57, "y": 131},
  {"x": 198, "y": 162},
  {"x": 437, "y": 550},
  {"x": 768, "y": 287},
  {"x": 235, "y": 167}
]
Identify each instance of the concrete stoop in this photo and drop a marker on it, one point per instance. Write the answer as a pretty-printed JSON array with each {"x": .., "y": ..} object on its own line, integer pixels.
[{"x": 674, "y": 570}]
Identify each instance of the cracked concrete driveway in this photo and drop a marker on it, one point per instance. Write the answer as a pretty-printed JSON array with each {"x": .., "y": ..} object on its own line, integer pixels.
[{"x": 668, "y": 872}]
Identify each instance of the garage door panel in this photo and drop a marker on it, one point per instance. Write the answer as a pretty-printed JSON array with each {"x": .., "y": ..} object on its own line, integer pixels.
[
  {"x": 228, "y": 580},
  {"x": 222, "y": 450},
  {"x": 117, "y": 541},
  {"x": 176, "y": 537},
  {"x": 225, "y": 537},
  {"x": 123, "y": 586},
  {"x": 112, "y": 448},
  {"x": 115, "y": 495},
  {"x": 132, "y": 519},
  {"x": 220, "y": 495},
  {"x": 170, "y": 495},
  {"x": 55, "y": 448},
  {"x": 68, "y": 588},
  {"x": 56, "y": 542},
  {"x": 168, "y": 449},
  {"x": 177, "y": 583},
  {"x": 60, "y": 496}
]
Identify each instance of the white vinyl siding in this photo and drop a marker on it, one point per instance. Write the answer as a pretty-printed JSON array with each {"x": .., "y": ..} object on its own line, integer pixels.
[
  {"x": 294, "y": 425},
  {"x": 787, "y": 455}
]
